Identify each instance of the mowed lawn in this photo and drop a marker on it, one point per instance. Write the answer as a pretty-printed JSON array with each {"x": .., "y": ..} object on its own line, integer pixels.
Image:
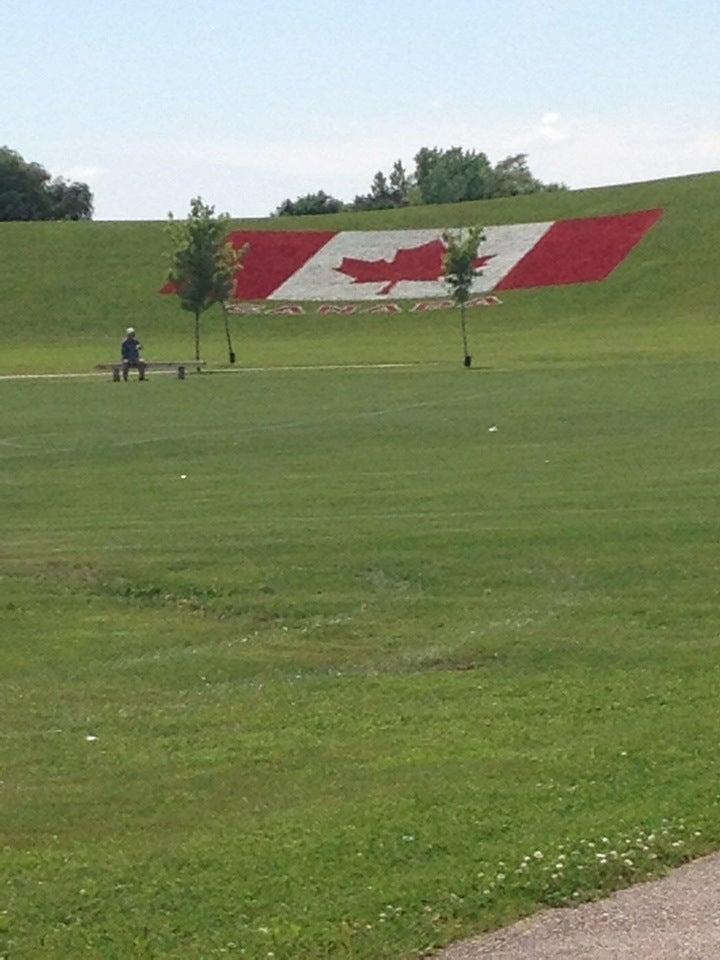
[{"x": 373, "y": 675}]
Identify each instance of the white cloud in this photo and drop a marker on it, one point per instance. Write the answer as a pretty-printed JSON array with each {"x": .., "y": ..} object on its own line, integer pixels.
[{"x": 551, "y": 127}]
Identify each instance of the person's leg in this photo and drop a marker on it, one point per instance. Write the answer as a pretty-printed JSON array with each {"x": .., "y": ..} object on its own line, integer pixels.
[
  {"x": 125, "y": 368},
  {"x": 141, "y": 369}
]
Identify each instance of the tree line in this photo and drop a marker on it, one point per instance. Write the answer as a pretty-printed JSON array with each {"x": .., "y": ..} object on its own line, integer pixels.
[
  {"x": 29, "y": 192},
  {"x": 440, "y": 176}
]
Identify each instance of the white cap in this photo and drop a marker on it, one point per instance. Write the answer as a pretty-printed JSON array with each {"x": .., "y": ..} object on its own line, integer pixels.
[{"x": 130, "y": 331}]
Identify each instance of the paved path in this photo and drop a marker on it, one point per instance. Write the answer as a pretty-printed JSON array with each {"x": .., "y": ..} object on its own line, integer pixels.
[
  {"x": 676, "y": 918},
  {"x": 299, "y": 368}
]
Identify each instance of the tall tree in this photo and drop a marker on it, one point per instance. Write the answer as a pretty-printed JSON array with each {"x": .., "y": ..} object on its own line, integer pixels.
[
  {"x": 28, "y": 192},
  {"x": 399, "y": 185},
  {"x": 460, "y": 270},
  {"x": 203, "y": 262},
  {"x": 379, "y": 190},
  {"x": 386, "y": 192},
  {"x": 449, "y": 176},
  {"x": 69, "y": 201}
]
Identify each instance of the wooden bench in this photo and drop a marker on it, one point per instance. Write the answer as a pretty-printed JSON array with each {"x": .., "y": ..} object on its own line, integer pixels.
[{"x": 180, "y": 366}]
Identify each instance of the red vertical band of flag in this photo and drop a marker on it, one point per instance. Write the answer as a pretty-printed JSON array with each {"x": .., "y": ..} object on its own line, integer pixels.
[
  {"x": 580, "y": 251},
  {"x": 272, "y": 257}
]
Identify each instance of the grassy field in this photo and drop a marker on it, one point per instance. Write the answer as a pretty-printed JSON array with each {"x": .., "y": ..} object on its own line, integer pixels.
[
  {"x": 69, "y": 290},
  {"x": 320, "y": 665},
  {"x": 366, "y": 658}
]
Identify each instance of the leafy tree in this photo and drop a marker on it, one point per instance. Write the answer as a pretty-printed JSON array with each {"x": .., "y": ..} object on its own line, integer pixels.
[
  {"x": 460, "y": 270},
  {"x": 69, "y": 201},
  {"x": 203, "y": 262},
  {"x": 27, "y": 192},
  {"x": 386, "y": 192},
  {"x": 449, "y": 176},
  {"x": 513, "y": 177},
  {"x": 311, "y": 203},
  {"x": 379, "y": 189},
  {"x": 399, "y": 185},
  {"x": 379, "y": 198}
]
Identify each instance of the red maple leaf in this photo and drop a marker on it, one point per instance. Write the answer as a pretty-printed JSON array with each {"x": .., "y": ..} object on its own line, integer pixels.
[{"x": 414, "y": 263}]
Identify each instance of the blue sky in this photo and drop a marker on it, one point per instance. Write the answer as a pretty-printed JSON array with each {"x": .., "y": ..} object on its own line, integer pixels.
[{"x": 247, "y": 102}]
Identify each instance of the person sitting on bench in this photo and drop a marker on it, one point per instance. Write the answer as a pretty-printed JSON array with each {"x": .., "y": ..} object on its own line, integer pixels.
[{"x": 130, "y": 351}]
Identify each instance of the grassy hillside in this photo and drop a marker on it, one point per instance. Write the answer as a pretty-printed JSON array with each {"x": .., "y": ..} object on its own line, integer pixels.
[{"x": 68, "y": 290}]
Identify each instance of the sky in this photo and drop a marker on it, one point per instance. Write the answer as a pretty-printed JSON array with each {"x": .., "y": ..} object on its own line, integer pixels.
[{"x": 246, "y": 102}]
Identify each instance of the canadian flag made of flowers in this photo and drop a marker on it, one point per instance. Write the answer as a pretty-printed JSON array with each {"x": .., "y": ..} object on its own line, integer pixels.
[{"x": 375, "y": 265}]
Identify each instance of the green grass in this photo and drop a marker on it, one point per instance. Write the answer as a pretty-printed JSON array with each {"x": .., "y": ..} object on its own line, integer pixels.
[
  {"x": 68, "y": 291},
  {"x": 367, "y": 657}
]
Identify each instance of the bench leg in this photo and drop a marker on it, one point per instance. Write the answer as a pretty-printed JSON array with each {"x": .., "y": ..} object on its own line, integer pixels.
[
  {"x": 181, "y": 373},
  {"x": 116, "y": 374}
]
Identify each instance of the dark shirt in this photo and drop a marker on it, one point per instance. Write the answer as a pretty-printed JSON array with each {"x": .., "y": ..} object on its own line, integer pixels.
[{"x": 131, "y": 349}]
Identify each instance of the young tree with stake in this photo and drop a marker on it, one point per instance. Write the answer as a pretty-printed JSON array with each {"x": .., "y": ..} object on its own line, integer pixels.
[
  {"x": 460, "y": 268},
  {"x": 203, "y": 263}
]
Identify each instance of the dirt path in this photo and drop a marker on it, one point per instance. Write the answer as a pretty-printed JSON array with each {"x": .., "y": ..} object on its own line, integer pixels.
[{"x": 676, "y": 918}]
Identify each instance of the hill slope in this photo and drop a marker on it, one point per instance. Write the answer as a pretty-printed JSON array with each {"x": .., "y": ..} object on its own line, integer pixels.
[{"x": 69, "y": 289}]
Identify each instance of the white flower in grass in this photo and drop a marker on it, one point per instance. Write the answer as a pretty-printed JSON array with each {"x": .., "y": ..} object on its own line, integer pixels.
[{"x": 538, "y": 854}]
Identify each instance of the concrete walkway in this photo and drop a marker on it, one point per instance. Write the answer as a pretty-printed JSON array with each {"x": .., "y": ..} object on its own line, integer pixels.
[{"x": 676, "y": 918}]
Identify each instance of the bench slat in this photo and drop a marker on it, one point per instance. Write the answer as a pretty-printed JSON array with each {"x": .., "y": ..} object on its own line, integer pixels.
[{"x": 154, "y": 364}]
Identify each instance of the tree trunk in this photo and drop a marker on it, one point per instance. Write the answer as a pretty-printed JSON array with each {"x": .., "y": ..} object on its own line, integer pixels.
[
  {"x": 231, "y": 352},
  {"x": 197, "y": 338},
  {"x": 467, "y": 360}
]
